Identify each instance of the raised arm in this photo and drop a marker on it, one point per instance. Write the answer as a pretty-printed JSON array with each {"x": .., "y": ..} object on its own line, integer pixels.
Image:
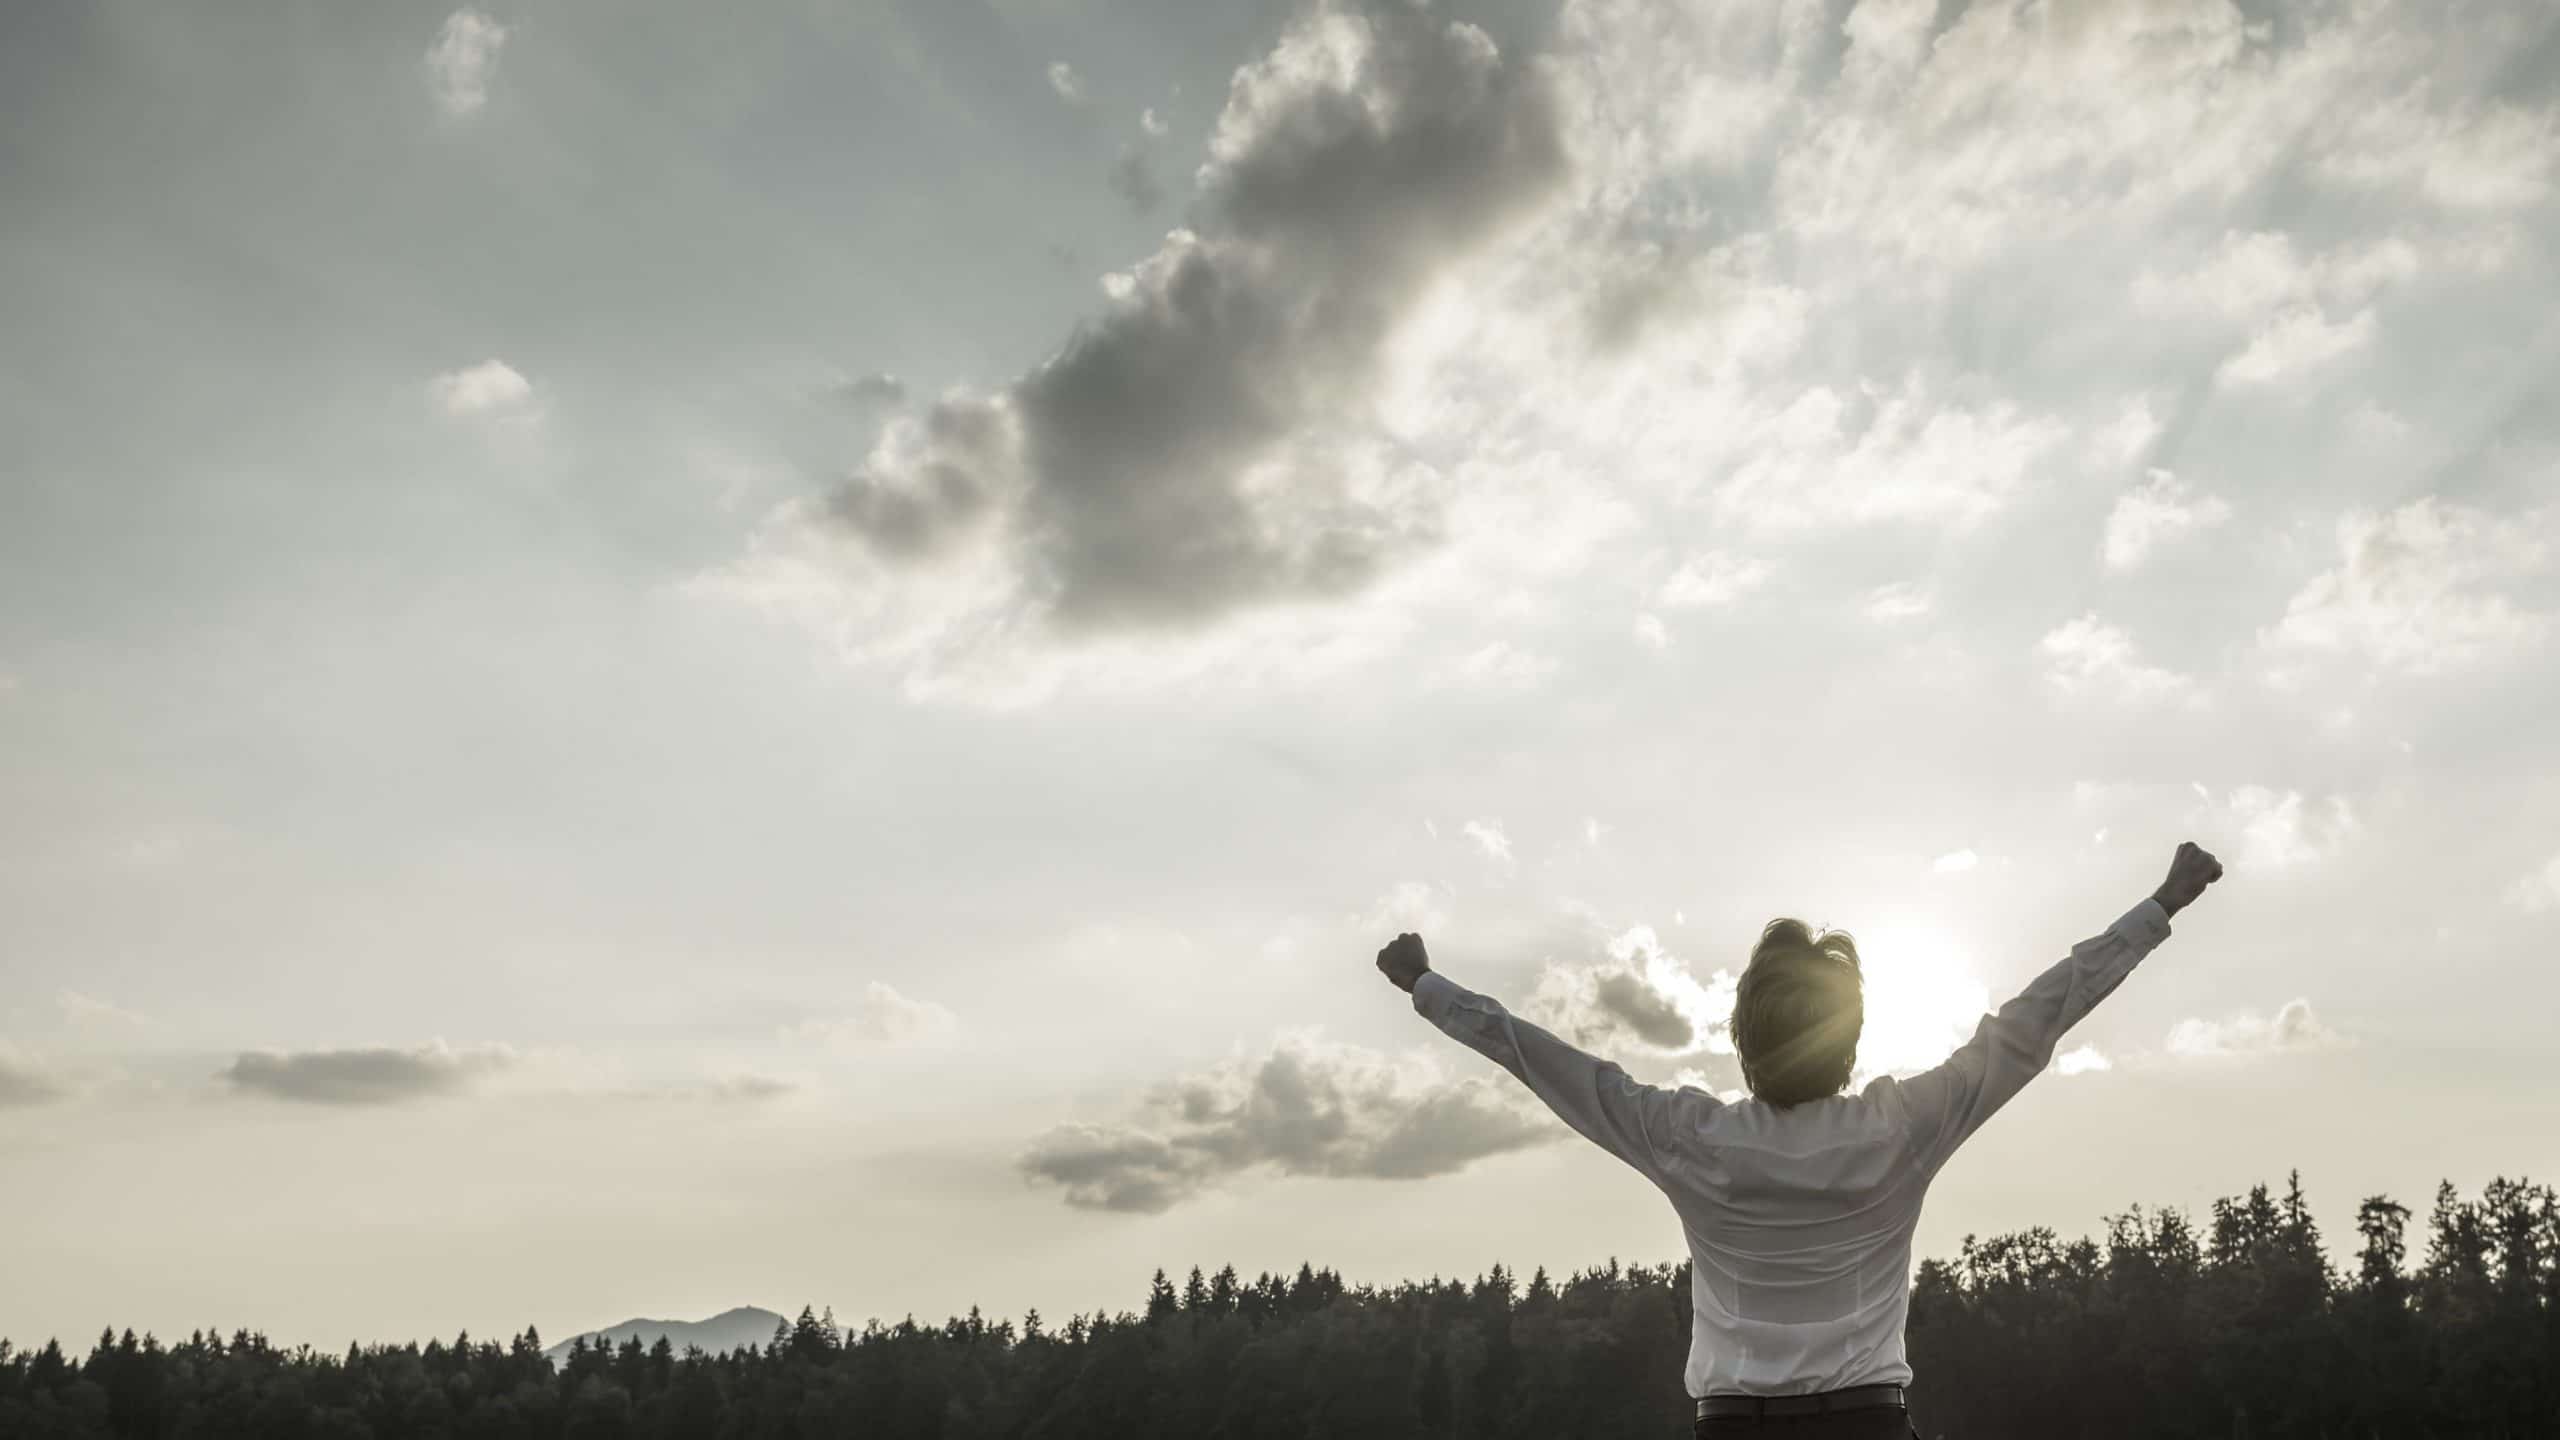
[
  {"x": 2010, "y": 1048},
  {"x": 1634, "y": 1121}
]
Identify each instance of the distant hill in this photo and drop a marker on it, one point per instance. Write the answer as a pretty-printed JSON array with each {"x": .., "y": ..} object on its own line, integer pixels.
[{"x": 726, "y": 1331}]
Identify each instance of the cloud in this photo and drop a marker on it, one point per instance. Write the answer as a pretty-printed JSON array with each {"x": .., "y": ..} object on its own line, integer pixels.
[
  {"x": 1409, "y": 905},
  {"x": 2277, "y": 831},
  {"x": 2088, "y": 658},
  {"x": 1153, "y": 123},
  {"x": 22, "y": 1083},
  {"x": 2300, "y": 339},
  {"x": 747, "y": 1089},
  {"x": 2293, "y": 1028},
  {"x": 1133, "y": 179},
  {"x": 1955, "y": 862},
  {"x": 2084, "y": 1060},
  {"x": 1066, "y": 82},
  {"x": 89, "y": 1010},
  {"x": 1885, "y": 455},
  {"x": 2539, "y": 891},
  {"x": 492, "y": 389},
  {"x": 1633, "y": 991},
  {"x": 2466, "y": 155},
  {"x": 1211, "y": 444},
  {"x": 1652, "y": 633},
  {"x": 460, "y": 62},
  {"x": 1626, "y": 998},
  {"x": 878, "y": 388},
  {"x": 2159, "y": 509},
  {"x": 1501, "y": 665},
  {"x": 1712, "y": 579},
  {"x": 882, "y": 1019},
  {"x": 1895, "y": 602},
  {"x": 376, "y": 1076},
  {"x": 1808, "y": 271},
  {"x": 1304, "y": 1108},
  {"x": 2412, "y": 589},
  {"x": 1489, "y": 838}
]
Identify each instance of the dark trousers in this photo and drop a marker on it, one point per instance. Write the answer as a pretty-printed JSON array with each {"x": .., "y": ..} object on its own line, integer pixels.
[{"x": 1888, "y": 1423}]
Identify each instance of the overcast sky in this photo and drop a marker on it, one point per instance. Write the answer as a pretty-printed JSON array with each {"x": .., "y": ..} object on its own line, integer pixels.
[{"x": 656, "y": 658}]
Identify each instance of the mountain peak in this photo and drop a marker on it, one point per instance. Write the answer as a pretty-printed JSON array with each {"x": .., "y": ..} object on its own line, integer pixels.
[{"x": 729, "y": 1330}]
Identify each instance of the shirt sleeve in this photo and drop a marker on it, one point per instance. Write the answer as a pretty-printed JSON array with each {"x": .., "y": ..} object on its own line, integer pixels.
[
  {"x": 1636, "y": 1122},
  {"x": 1947, "y": 1104}
]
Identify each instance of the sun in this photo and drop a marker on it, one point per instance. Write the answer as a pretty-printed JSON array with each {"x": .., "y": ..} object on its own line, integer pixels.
[{"x": 1923, "y": 1000}]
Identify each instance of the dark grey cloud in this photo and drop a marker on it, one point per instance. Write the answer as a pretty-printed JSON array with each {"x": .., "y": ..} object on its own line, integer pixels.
[
  {"x": 23, "y": 1084},
  {"x": 1297, "y": 1111},
  {"x": 939, "y": 493},
  {"x": 1133, "y": 178},
  {"x": 1628, "y": 999},
  {"x": 377, "y": 1076},
  {"x": 1147, "y": 475},
  {"x": 868, "y": 391}
]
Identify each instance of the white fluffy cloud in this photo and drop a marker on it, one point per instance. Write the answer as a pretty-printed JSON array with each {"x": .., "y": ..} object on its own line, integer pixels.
[
  {"x": 2298, "y": 340},
  {"x": 1890, "y": 454},
  {"x": 2082, "y": 1060},
  {"x": 492, "y": 389},
  {"x": 1489, "y": 838},
  {"x": 1414, "y": 905},
  {"x": 1895, "y": 602},
  {"x": 2089, "y": 658},
  {"x": 1500, "y": 665},
  {"x": 1068, "y": 85},
  {"x": 2158, "y": 509},
  {"x": 2293, "y": 1027},
  {"x": 882, "y": 1019},
  {"x": 89, "y": 1010},
  {"x": 1712, "y": 579},
  {"x": 2279, "y": 829},
  {"x": 2415, "y": 588},
  {"x": 462, "y": 59}
]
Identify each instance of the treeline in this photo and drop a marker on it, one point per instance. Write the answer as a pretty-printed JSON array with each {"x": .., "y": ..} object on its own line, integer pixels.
[{"x": 2239, "y": 1328}]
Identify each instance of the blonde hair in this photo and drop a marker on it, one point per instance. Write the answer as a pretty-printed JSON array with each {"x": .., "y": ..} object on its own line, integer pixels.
[{"x": 1798, "y": 1012}]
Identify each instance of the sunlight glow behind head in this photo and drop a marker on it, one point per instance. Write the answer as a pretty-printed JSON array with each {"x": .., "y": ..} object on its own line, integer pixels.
[{"x": 1922, "y": 1000}]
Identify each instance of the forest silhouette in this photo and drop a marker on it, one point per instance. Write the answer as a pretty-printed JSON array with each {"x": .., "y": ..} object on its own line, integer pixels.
[{"x": 2240, "y": 1327}]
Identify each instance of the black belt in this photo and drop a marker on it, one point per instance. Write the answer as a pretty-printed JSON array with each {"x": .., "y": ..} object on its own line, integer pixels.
[{"x": 1856, "y": 1397}]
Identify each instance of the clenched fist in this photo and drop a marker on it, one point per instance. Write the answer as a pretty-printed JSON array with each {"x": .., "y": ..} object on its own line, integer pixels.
[
  {"x": 2192, "y": 869},
  {"x": 1403, "y": 961}
]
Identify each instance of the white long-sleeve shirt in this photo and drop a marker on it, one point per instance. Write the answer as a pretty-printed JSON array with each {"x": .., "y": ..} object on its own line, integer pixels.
[{"x": 1799, "y": 1218}]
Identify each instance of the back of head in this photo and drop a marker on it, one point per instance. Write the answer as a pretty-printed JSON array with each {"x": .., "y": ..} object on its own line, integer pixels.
[{"x": 1798, "y": 1012}]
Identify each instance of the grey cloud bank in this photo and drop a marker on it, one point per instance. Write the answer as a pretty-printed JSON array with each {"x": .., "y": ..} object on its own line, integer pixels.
[
  {"x": 375, "y": 1076},
  {"x": 1302, "y": 1109}
]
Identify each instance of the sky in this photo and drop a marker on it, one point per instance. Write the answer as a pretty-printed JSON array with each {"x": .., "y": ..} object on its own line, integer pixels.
[{"x": 655, "y": 659}]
